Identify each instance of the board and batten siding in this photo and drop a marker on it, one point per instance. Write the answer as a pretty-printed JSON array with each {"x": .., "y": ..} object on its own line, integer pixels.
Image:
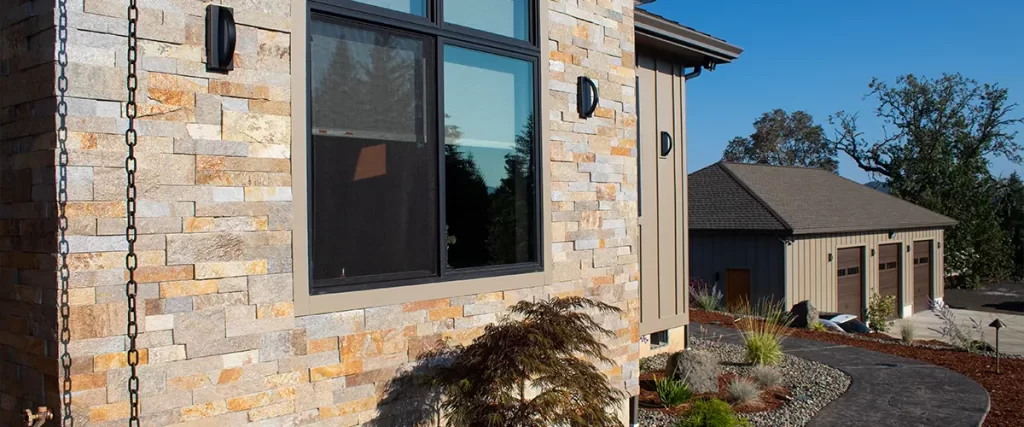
[
  {"x": 712, "y": 254},
  {"x": 810, "y": 275}
]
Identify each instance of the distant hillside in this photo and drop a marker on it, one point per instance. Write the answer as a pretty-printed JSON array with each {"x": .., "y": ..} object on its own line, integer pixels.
[{"x": 879, "y": 185}]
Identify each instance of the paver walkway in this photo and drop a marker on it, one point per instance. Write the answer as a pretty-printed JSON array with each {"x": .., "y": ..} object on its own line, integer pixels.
[{"x": 885, "y": 390}]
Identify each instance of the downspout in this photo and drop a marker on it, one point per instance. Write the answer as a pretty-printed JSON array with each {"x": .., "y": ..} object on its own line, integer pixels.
[{"x": 692, "y": 74}]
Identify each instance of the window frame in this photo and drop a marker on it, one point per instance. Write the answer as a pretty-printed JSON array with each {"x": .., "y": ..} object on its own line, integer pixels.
[{"x": 433, "y": 28}]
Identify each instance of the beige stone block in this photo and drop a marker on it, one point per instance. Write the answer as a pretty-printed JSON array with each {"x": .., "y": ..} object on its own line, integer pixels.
[
  {"x": 260, "y": 128},
  {"x": 261, "y": 399},
  {"x": 187, "y": 288},
  {"x": 203, "y": 131},
  {"x": 203, "y": 410},
  {"x": 214, "y": 270},
  {"x": 194, "y": 248},
  {"x": 268, "y": 194},
  {"x": 166, "y": 354},
  {"x": 159, "y": 322},
  {"x": 96, "y": 321},
  {"x": 233, "y": 360}
]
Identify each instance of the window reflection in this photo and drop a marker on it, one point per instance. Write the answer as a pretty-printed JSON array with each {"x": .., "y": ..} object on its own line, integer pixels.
[
  {"x": 415, "y": 7},
  {"x": 489, "y": 172},
  {"x": 507, "y": 18}
]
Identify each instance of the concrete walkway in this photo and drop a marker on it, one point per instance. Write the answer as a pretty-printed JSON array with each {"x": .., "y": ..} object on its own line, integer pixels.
[
  {"x": 885, "y": 390},
  {"x": 1011, "y": 338}
]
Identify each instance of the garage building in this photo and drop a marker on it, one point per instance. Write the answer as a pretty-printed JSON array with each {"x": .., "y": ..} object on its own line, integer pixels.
[{"x": 796, "y": 234}]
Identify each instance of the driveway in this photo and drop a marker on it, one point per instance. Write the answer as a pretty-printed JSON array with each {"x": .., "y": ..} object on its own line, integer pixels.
[
  {"x": 885, "y": 390},
  {"x": 1011, "y": 338},
  {"x": 1001, "y": 297}
]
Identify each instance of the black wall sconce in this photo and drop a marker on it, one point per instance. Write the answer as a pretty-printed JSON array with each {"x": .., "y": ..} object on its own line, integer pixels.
[
  {"x": 220, "y": 38},
  {"x": 939, "y": 244},
  {"x": 830, "y": 257},
  {"x": 908, "y": 249},
  {"x": 892, "y": 234},
  {"x": 586, "y": 97},
  {"x": 872, "y": 252}
]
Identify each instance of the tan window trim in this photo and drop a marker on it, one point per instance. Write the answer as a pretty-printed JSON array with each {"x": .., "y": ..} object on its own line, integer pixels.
[{"x": 306, "y": 304}]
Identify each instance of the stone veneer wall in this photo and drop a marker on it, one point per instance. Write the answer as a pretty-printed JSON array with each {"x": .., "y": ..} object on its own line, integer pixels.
[
  {"x": 28, "y": 370},
  {"x": 222, "y": 343}
]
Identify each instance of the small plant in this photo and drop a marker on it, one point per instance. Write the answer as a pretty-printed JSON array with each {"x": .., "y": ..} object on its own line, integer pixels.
[
  {"x": 672, "y": 392},
  {"x": 762, "y": 339},
  {"x": 907, "y": 331},
  {"x": 743, "y": 391},
  {"x": 767, "y": 376},
  {"x": 971, "y": 338},
  {"x": 711, "y": 413},
  {"x": 705, "y": 296},
  {"x": 533, "y": 367},
  {"x": 818, "y": 327},
  {"x": 773, "y": 311},
  {"x": 880, "y": 309}
]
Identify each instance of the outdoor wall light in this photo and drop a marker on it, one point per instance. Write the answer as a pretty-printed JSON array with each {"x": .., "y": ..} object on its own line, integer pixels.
[
  {"x": 908, "y": 249},
  {"x": 829, "y": 257},
  {"x": 939, "y": 244},
  {"x": 892, "y": 234},
  {"x": 586, "y": 97},
  {"x": 220, "y": 38},
  {"x": 872, "y": 252}
]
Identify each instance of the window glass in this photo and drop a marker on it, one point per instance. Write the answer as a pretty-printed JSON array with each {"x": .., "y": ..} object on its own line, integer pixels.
[
  {"x": 509, "y": 18},
  {"x": 374, "y": 187},
  {"x": 852, "y": 270},
  {"x": 490, "y": 184},
  {"x": 842, "y": 272},
  {"x": 415, "y": 7}
]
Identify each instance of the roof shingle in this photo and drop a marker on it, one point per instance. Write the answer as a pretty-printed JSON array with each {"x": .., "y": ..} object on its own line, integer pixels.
[{"x": 802, "y": 200}]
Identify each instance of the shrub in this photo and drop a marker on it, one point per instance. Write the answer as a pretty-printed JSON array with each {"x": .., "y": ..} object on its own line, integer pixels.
[
  {"x": 705, "y": 296},
  {"x": 907, "y": 331},
  {"x": 880, "y": 309},
  {"x": 672, "y": 392},
  {"x": 544, "y": 349},
  {"x": 743, "y": 390},
  {"x": 963, "y": 338},
  {"x": 773, "y": 311},
  {"x": 766, "y": 376},
  {"x": 762, "y": 341},
  {"x": 711, "y": 413},
  {"x": 819, "y": 327}
]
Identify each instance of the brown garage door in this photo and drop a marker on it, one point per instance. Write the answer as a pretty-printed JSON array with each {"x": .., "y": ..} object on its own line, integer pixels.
[
  {"x": 922, "y": 275},
  {"x": 850, "y": 269},
  {"x": 889, "y": 271}
]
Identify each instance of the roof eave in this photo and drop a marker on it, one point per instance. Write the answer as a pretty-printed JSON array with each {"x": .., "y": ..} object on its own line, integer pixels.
[
  {"x": 653, "y": 29},
  {"x": 873, "y": 229}
]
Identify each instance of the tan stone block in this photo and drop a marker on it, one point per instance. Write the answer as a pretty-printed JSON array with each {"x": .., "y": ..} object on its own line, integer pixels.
[
  {"x": 279, "y": 309},
  {"x": 230, "y": 269},
  {"x": 275, "y": 108},
  {"x": 272, "y": 411},
  {"x": 82, "y": 296},
  {"x": 346, "y": 408},
  {"x": 229, "y": 375},
  {"x": 177, "y": 83},
  {"x": 188, "y": 382},
  {"x": 203, "y": 410},
  {"x": 95, "y": 321},
  {"x": 264, "y": 398},
  {"x": 254, "y": 127},
  {"x": 226, "y": 88},
  {"x": 322, "y": 345},
  {"x": 426, "y": 304},
  {"x": 104, "y": 362},
  {"x": 88, "y": 381},
  {"x": 334, "y": 371},
  {"x": 162, "y": 273},
  {"x": 243, "y": 179},
  {"x": 606, "y": 191},
  {"x": 187, "y": 288},
  {"x": 445, "y": 313},
  {"x": 109, "y": 412},
  {"x": 95, "y": 209}
]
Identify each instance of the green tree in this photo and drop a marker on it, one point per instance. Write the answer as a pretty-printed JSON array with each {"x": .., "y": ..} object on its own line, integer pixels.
[
  {"x": 512, "y": 202},
  {"x": 937, "y": 138},
  {"x": 784, "y": 139},
  {"x": 1010, "y": 203}
]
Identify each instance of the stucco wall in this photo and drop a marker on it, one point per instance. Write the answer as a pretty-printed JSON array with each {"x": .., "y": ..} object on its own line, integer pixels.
[
  {"x": 713, "y": 253},
  {"x": 811, "y": 276},
  {"x": 221, "y": 342}
]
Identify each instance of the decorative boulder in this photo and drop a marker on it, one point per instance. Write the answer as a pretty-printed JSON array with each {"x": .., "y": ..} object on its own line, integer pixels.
[
  {"x": 803, "y": 314},
  {"x": 698, "y": 369}
]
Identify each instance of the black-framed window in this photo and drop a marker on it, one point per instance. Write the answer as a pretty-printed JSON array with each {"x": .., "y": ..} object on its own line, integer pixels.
[{"x": 423, "y": 149}]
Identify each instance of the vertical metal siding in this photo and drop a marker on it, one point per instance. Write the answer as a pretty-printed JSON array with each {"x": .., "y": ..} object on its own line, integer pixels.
[
  {"x": 761, "y": 254},
  {"x": 811, "y": 276}
]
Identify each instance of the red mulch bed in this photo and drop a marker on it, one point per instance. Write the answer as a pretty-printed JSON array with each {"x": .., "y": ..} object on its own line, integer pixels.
[
  {"x": 1005, "y": 390},
  {"x": 649, "y": 395}
]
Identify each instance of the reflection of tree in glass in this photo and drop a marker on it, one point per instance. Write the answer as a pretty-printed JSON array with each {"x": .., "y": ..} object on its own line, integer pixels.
[
  {"x": 370, "y": 84},
  {"x": 467, "y": 205},
  {"x": 511, "y": 225}
]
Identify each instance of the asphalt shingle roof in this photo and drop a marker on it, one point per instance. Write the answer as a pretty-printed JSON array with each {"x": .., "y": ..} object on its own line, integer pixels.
[{"x": 733, "y": 196}]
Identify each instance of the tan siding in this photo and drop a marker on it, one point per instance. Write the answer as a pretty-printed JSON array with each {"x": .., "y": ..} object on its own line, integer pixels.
[
  {"x": 811, "y": 276},
  {"x": 762, "y": 255}
]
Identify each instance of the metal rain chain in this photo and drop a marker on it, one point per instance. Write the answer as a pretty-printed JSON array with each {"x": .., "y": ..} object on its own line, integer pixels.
[
  {"x": 63, "y": 249},
  {"x": 131, "y": 260}
]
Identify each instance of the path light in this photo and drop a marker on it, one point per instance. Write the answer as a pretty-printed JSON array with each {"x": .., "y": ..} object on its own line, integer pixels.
[{"x": 998, "y": 325}]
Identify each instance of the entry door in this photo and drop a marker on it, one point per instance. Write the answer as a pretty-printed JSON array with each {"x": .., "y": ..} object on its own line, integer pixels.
[
  {"x": 889, "y": 273},
  {"x": 850, "y": 286},
  {"x": 661, "y": 151},
  {"x": 737, "y": 287},
  {"x": 922, "y": 275}
]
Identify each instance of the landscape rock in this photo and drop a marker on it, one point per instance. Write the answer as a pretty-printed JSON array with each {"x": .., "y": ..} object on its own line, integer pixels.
[
  {"x": 803, "y": 314},
  {"x": 697, "y": 368}
]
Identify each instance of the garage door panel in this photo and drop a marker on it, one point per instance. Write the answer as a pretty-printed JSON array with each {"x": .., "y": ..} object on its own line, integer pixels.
[
  {"x": 850, "y": 271},
  {"x": 889, "y": 273},
  {"x": 922, "y": 275}
]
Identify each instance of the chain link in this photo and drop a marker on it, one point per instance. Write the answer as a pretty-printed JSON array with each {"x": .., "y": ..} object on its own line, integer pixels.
[
  {"x": 63, "y": 249},
  {"x": 131, "y": 261}
]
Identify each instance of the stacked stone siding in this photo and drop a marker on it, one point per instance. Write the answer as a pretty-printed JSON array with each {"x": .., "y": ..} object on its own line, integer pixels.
[{"x": 221, "y": 341}]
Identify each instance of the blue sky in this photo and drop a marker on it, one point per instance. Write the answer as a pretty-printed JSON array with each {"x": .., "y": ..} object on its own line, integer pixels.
[{"x": 819, "y": 56}]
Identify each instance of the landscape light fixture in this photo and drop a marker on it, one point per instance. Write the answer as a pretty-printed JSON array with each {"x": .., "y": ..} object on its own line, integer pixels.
[{"x": 998, "y": 324}]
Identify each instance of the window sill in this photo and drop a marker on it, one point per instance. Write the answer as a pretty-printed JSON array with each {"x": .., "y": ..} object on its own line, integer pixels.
[{"x": 353, "y": 300}]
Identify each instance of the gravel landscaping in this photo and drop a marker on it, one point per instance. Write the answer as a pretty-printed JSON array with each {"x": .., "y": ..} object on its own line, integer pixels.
[
  {"x": 1006, "y": 389},
  {"x": 812, "y": 385}
]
